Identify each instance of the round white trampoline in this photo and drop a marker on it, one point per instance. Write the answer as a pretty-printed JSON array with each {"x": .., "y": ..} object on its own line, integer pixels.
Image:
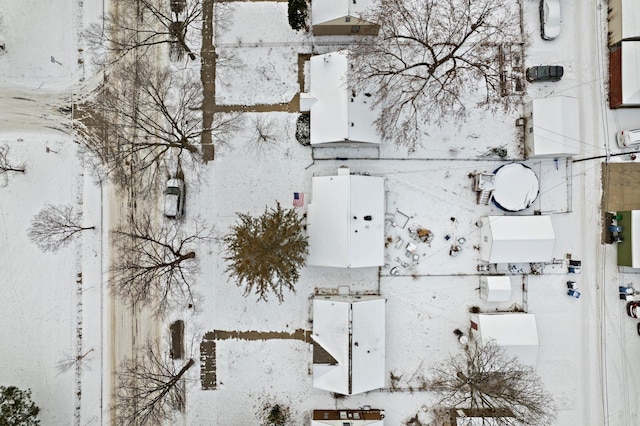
[{"x": 516, "y": 187}]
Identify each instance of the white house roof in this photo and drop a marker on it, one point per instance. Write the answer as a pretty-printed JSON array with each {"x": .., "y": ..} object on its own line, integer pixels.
[
  {"x": 516, "y": 239},
  {"x": 352, "y": 331},
  {"x": 327, "y": 10},
  {"x": 345, "y": 221},
  {"x": 516, "y": 333},
  {"x": 337, "y": 113},
  {"x": 630, "y": 72},
  {"x": 630, "y": 15},
  {"x": 556, "y": 127}
]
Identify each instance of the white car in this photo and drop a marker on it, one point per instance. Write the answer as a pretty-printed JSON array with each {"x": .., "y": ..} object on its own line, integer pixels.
[
  {"x": 549, "y": 19},
  {"x": 174, "y": 198},
  {"x": 627, "y": 138}
]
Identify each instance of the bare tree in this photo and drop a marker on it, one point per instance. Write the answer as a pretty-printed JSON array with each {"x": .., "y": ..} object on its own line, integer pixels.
[
  {"x": 263, "y": 137},
  {"x": 155, "y": 264},
  {"x": 266, "y": 252},
  {"x": 485, "y": 379},
  {"x": 433, "y": 59},
  {"x": 6, "y": 166},
  {"x": 139, "y": 25},
  {"x": 55, "y": 226},
  {"x": 151, "y": 388},
  {"x": 78, "y": 361},
  {"x": 148, "y": 116}
]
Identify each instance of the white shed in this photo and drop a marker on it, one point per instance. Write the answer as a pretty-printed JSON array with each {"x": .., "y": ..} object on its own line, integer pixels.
[
  {"x": 345, "y": 221},
  {"x": 552, "y": 127},
  {"x": 495, "y": 288},
  {"x": 516, "y": 239},
  {"x": 349, "y": 343},
  {"x": 339, "y": 115},
  {"x": 516, "y": 333}
]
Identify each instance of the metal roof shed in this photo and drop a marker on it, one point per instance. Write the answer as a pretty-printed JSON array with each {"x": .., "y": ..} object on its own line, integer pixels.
[
  {"x": 516, "y": 239},
  {"x": 516, "y": 333},
  {"x": 552, "y": 127},
  {"x": 495, "y": 288}
]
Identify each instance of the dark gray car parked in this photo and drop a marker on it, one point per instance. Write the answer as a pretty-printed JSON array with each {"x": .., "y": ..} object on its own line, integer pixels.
[{"x": 545, "y": 73}]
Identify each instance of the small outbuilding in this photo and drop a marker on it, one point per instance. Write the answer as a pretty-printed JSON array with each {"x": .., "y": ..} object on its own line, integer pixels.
[
  {"x": 345, "y": 221},
  {"x": 552, "y": 127},
  {"x": 516, "y": 333},
  {"x": 495, "y": 288},
  {"x": 339, "y": 115},
  {"x": 629, "y": 247},
  {"x": 341, "y": 17},
  {"x": 348, "y": 343},
  {"x": 516, "y": 239}
]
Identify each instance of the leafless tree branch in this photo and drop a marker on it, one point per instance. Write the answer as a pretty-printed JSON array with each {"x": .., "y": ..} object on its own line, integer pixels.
[
  {"x": 155, "y": 265},
  {"x": 483, "y": 377},
  {"x": 139, "y": 25},
  {"x": 55, "y": 226},
  {"x": 432, "y": 60},
  {"x": 150, "y": 388}
]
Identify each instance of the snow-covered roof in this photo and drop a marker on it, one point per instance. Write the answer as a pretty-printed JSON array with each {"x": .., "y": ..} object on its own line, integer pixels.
[
  {"x": 352, "y": 331},
  {"x": 338, "y": 114},
  {"x": 516, "y": 239},
  {"x": 328, "y": 10},
  {"x": 554, "y": 127},
  {"x": 630, "y": 72},
  {"x": 495, "y": 288},
  {"x": 516, "y": 333},
  {"x": 516, "y": 187},
  {"x": 624, "y": 20},
  {"x": 345, "y": 221}
]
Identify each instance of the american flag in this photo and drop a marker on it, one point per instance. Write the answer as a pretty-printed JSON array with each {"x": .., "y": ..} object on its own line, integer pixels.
[{"x": 298, "y": 199}]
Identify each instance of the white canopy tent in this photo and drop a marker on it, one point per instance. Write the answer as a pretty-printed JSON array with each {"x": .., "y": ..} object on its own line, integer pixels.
[
  {"x": 552, "y": 127},
  {"x": 495, "y": 288},
  {"x": 516, "y": 239},
  {"x": 350, "y": 334},
  {"x": 338, "y": 115},
  {"x": 345, "y": 221},
  {"x": 516, "y": 333}
]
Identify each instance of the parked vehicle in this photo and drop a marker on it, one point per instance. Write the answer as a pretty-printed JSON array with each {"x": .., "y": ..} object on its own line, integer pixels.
[
  {"x": 628, "y": 138},
  {"x": 549, "y": 19},
  {"x": 174, "y": 198},
  {"x": 633, "y": 309},
  {"x": 545, "y": 73}
]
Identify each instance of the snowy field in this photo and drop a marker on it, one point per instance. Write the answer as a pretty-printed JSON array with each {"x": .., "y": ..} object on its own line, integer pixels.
[{"x": 587, "y": 346}]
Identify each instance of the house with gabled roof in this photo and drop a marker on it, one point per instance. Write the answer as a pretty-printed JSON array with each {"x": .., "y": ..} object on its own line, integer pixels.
[
  {"x": 339, "y": 115},
  {"x": 348, "y": 343},
  {"x": 345, "y": 221},
  {"x": 341, "y": 17}
]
